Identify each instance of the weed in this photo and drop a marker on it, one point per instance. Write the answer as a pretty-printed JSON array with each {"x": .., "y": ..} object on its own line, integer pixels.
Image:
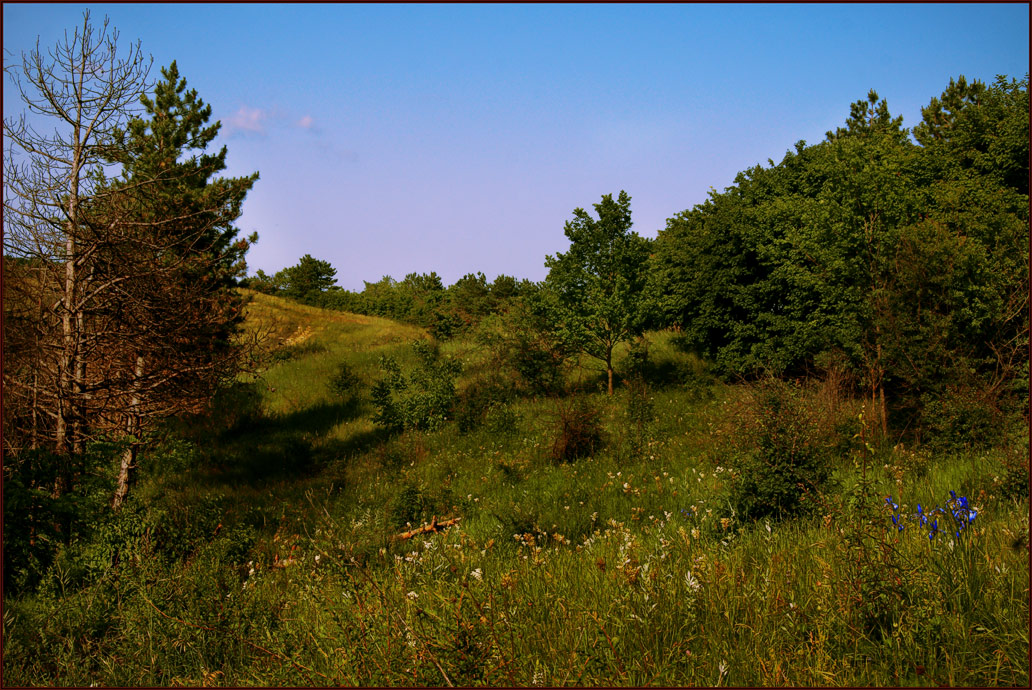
[{"x": 578, "y": 430}]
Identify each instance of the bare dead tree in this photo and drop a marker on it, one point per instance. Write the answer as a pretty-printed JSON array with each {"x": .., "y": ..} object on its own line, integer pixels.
[
  {"x": 85, "y": 89},
  {"x": 126, "y": 250}
]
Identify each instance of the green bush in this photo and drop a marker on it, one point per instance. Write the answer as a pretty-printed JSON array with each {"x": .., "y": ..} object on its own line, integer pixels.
[
  {"x": 962, "y": 417},
  {"x": 785, "y": 463},
  {"x": 502, "y": 419},
  {"x": 523, "y": 349},
  {"x": 639, "y": 420},
  {"x": 344, "y": 384},
  {"x": 414, "y": 506},
  {"x": 422, "y": 400},
  {"x": 476, "y": 401},
  {"x": 1015, "y": 480}
]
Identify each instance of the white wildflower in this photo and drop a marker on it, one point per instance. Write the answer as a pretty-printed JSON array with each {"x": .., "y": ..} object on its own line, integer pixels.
[
  {"x": 412, "y": 595},
  {"x": 691, "y": 582},
  {"x": 477, "y": 574}
]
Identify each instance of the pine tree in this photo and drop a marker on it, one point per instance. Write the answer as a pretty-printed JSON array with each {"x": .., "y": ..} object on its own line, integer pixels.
[{"x": 175, "y": 254}]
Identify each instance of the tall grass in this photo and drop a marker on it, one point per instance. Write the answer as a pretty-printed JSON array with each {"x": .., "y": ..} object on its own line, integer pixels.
[{"x": 265, "y": 550}]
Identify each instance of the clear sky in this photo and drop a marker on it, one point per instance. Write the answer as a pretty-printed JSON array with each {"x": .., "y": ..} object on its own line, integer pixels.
[{"x": 458, "y": 138}]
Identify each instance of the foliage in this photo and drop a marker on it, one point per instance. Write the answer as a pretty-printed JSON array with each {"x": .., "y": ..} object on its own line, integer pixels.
[
  {"x": 344, "y": 383},
  {"x": 481, "y": 399},
  {"x": 600, "y": 282},
  {"x": 522, "y": 348},
  {"x": 962, "y": 417},
  {"x": 832, "y": 251},
  {"x": 305, "y": 280},
  {"x": 422, "y": 400},
  {"x": 785, "y": 466}
]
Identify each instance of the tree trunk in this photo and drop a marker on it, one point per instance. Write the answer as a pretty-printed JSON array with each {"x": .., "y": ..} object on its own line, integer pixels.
[
  {"x": 132, "y": 430},
  {"x": 609, "y": 367},
  {"x": 883, "y": 412}
]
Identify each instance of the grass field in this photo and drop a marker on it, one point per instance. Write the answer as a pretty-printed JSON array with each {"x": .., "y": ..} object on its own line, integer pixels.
[{"x": 261, "y": 545}]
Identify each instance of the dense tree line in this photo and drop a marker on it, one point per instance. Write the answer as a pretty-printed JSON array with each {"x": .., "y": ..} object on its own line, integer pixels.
[
  {"x": 896, "y": 259},
  {"x": 420, "y": 298},
  {"x": 902, "y": 261}
]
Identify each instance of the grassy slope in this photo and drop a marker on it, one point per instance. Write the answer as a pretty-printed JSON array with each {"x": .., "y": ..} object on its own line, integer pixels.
[{"x": 612, "y": 570}]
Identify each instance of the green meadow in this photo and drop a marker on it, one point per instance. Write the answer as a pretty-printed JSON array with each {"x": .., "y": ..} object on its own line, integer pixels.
[{"x": 269, "y": 541}]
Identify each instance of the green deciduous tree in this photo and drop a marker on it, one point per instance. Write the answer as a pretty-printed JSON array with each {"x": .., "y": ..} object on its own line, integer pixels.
[
  {"x": 907, "y": 260},
  {"x": 600, "y": 281}
]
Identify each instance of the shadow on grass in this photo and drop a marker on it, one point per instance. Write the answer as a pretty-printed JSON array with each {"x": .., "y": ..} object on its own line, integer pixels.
[{"x": 259, "y": 450}]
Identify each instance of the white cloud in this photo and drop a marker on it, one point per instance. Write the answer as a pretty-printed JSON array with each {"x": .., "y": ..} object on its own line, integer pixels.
[{"x": 248, "y": 120}]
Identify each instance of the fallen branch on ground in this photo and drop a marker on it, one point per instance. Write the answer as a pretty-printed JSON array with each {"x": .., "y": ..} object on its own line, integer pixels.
[{"x": 434, "y": 526}]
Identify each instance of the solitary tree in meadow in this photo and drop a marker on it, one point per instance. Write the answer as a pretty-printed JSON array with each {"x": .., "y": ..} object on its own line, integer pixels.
[{"x": 600, "y": 282}]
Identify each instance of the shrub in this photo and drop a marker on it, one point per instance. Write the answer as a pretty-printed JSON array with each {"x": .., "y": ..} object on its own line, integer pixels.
[
  {"x": 414, "y": 507},
  {"x": 578, "y": 431},
  {"x": 344, "y": 384},
  {"x": 1015, "y": 480},
  {"x": 961, "y": 417},
  {"x": 524, "y": 350},
  {"x": 501, "y": 419},
  {"x": 478, "y": 399},
  {"x": 403, "y": 450},
  {"x": 422, "y": 400},
  {"x": 785, "y": 463}
]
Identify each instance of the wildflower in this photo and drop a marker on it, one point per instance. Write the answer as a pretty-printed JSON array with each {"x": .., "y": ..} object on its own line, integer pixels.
[
  {"x": 412, "y": 595},
  {"x": 477, "y": 574}
]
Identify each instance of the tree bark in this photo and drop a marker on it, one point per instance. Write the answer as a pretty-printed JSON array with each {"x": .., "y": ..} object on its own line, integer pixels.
[{"x": 132, "y": 430}]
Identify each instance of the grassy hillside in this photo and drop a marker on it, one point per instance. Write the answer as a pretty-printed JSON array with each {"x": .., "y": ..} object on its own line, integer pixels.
[{"x": 263, "y": 544}]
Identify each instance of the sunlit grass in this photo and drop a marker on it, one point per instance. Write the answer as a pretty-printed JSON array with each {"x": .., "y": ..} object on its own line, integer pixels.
[{"x": 615, "y": 569}]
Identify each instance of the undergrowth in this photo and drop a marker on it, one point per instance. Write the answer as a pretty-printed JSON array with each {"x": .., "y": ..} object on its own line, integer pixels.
[{"x": 683, "y": 532}]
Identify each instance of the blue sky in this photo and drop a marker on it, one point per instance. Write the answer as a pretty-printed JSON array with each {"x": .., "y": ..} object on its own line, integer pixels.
[{"x": 458, "y": 138}]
